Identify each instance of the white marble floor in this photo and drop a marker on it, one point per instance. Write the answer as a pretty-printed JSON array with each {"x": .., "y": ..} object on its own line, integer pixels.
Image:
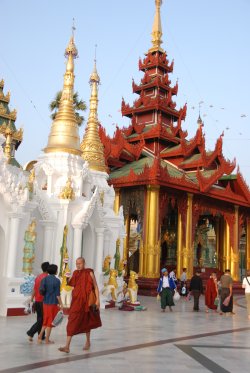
[{"x": 150, "y": 341}]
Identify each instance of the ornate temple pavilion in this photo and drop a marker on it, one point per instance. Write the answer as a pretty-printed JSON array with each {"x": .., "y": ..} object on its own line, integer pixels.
[{"x": 184, "y": 206}]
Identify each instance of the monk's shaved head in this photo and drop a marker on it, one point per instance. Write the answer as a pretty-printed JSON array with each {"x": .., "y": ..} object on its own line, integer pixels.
[{"x": 80, "y": 263}]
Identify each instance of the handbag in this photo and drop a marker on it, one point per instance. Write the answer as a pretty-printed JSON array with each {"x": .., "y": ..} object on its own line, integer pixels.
[
  {"x": 216, "y": 301},
  {"x": 92, "y": 298},
  {"x": 58, "y": 318},
  {"x": 176, "y": 296}
]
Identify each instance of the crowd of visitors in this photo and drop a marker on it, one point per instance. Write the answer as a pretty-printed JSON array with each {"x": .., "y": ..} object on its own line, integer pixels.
[{"x": 84, "y": 312}]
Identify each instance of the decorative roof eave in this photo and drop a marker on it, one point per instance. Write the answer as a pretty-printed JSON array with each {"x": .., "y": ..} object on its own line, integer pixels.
[
  {"x": 228, "y": 195},
  {"x": 9, "y": 116},
  {"x": 243, "y": 185},
  {"x": 156, "y": 131},
  {"x": 155, "y": 82},
  {"x": 152, "y": 104},
  {"x": 119, "y": 148},
  {"x": 5, "y": 98},
  {"x": 156, "y": 59},
  {"x": 17, "y": 135},
  {"x": 156, "y": 174},
  {"x": 205, "y": 183}
]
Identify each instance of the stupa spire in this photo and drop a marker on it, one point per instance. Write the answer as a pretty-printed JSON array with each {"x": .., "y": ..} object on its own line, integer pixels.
[
  {"x": 157, "y": 29},
  {"x": 91, "y": 146},
  {"x": 64, "y": 134}
]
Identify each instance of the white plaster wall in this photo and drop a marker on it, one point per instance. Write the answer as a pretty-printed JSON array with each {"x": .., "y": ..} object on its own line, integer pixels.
[{"x": 88, "y": 245}]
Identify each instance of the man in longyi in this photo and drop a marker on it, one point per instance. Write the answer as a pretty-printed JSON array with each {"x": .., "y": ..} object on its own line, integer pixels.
[{"x": 84, "y": 312}]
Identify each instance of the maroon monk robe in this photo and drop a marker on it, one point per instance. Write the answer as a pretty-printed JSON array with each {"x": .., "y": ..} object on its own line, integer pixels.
[
  {"x": 210, "y": 294},
  {"x": 81, "y": 318}
]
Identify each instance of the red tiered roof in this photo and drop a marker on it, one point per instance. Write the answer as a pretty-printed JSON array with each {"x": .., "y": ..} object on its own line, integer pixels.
[{"x": 154, "y": 148}]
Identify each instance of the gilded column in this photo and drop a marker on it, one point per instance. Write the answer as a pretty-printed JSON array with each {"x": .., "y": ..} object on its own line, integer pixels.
[
  {"x": 117, "y": 200},
  {"x": 152, "y": 249},
  {"x": 221, "y": 245},
  {"x": 126, "y": 240},
  {"x": 187, "y": 252},
  {"x": 217, "y": 238},
  {"x": 179, "y": 246},
  {"x": 141, "y": 259},
  {"x": 226, "y": 247},
  {"x": 248, "y": 245},
  {"x": 235, "y": 248}
]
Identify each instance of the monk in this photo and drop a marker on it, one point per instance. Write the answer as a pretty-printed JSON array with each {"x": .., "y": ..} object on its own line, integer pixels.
[
  {"x": 84, "y": 313},
  {"x": 211, "y": 293}
]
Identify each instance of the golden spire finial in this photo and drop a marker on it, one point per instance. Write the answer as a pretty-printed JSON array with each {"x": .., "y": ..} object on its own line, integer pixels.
[
  {"x": 157, "y": 29},
  {"x": 7, "y": 148},
  {"x": 64, "y": 135},
  {"x": 92, "y": 147}
]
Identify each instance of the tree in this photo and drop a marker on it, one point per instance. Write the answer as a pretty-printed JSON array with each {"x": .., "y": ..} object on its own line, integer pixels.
[{"x": 79, "y": 106}]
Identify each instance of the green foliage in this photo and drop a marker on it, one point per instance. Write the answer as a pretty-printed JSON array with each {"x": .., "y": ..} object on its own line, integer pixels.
[{"x": 79, "y": 106}]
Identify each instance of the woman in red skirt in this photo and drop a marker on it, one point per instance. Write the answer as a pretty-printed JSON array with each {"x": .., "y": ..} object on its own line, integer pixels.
[
  {"x": 50, "y": 288},
  {"x": 211, "y": 293}
]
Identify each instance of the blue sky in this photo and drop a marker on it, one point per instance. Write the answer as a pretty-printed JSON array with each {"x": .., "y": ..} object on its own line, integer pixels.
[{"x": 208, "y": 39}]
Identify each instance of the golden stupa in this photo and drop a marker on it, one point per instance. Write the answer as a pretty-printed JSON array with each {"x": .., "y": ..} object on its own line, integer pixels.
[
  {"x": 91, "y": 146},
  {"x": 64, "y": 134}
]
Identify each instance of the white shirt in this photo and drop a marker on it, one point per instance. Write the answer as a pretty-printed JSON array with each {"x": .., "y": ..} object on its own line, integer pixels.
[
  {"x": 184, "y": 276},
  {"x": 172, "y": 275},
  {"x": 246, "y": 285},
  {"x": 165, "y": 283}
]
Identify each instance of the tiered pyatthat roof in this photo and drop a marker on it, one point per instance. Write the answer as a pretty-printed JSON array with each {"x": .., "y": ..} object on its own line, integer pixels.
[
  {"x": 8, "y": 129},
  {"x": 154, "y": 149}
]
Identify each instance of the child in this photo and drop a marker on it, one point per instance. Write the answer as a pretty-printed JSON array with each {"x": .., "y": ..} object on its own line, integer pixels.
[
  {"x": 184, "y": 290},
  {"x": 165, "y": 288},
  {"x": 50, "y": 289}
]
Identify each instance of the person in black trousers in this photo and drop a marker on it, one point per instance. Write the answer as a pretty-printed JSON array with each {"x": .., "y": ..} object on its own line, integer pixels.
[
  {"x": 38, "y": 306},
  {"x": 196, "y": 287}
]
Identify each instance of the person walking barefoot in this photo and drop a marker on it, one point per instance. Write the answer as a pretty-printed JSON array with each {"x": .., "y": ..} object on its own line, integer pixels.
[
  {"x": 50, "y": 288},
  {"x": 84, "y": 312},
  {"x": 165, "y": 289}
]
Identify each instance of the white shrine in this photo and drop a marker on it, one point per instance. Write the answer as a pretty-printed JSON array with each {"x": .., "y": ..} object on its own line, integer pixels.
[{"x": 66, "y": 186}]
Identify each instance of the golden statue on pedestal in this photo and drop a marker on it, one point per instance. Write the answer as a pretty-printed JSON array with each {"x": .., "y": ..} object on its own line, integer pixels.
[
  {"x": 67, "y": 191},
  {"x": 132, "y": 287}
]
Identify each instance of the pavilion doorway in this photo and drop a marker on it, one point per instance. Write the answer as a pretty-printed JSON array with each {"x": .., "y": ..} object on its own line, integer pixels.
[
  {"x": 134, "y": 242},
  {"x": 207, "y": 242},
  {"x": 169, "y": 236}
]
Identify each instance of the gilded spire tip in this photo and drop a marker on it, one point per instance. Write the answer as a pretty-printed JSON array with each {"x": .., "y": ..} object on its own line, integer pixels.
[{"x": 157, "y": 29}]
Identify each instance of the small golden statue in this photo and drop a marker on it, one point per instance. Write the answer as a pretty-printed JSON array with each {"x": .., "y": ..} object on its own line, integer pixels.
[
  {"x": 67, "y": 191},
  {"x": 110, "y": 289},
  {"x": 31, "y": 180},
  {"x": 29, "y": 248},
  {"x": 106, "y": 264},
  {"x": 117, "y": 255},
  {"x": 132, "y": 287}
]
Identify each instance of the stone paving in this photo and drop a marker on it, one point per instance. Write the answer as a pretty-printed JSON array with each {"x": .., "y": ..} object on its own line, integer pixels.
[{"x": 148, "y": 342}]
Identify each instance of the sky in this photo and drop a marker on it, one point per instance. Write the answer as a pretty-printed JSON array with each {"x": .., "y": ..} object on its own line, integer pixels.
[{"x": 208, "y": 40}]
